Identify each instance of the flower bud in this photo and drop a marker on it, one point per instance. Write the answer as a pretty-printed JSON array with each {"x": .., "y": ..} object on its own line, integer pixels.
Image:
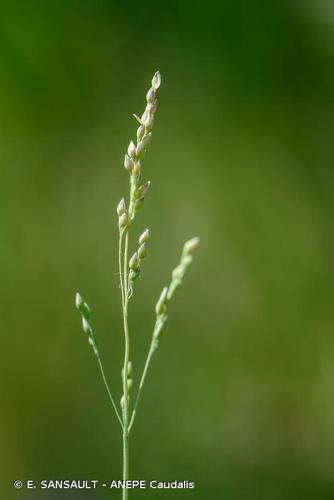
[
  {"x": 161, "y": 304},
  {"x": 86, "y": 326},
  {"x": 121, "y": 208},
  {"x": 132, "y": 149},
  {"x": 123, "y": 220},
  {"x": 129, "y": 369},
  {"x": 82, "y": 307},
  {"x": 128, "y": 163},
  {"x": 156, "y": 80},
  {"x": 142, "y": 251},
  {"x": 78, "y": 301},
  {"x": 134, "y": 274},
  {"x": 150, "y": 96},
  {"x": 140, "y": 132},
  {"x": 190, "y": 245},
  {"x": 142, "y": 190},
  {"x": 178, "y": 272},
  {"x": 129, "y": 383},
  {"x": 134, "y": 262},
  {"x": 186, "y": 260},
  {"x": 85, "y": 310},
  {"x": 144, "y": 236}
]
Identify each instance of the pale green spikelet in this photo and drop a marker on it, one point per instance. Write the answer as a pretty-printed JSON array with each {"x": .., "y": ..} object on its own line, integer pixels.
[{"x": 144, "y": 237}]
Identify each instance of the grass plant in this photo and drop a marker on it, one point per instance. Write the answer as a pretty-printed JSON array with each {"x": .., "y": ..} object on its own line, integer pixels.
[{"x": 129, "y": 272}]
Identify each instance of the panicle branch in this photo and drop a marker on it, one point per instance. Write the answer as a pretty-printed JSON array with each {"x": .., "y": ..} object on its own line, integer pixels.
[
  {"x": 167, "y": 293},
  {"x": 135, "y": 151}
]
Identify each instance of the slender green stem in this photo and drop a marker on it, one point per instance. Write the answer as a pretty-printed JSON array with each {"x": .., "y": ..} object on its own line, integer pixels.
[
  {"x": 142, "y": 380},
  {"x": 109, "y": 391},
  {"x": 125, "y": 370},
  {"x": 125, "y": 291},
  {"x": 125, "y": 464},
  {"x": 121, "y": 231},
  {"x": 125, "y": 400}
]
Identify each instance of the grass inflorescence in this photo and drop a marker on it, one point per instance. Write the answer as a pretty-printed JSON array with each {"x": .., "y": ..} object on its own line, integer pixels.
[{"x": 129, "y": 272}]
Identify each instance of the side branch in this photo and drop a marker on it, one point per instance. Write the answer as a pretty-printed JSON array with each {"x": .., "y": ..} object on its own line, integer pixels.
[
  {"x": 85, "y": 313},
  {"x": 109, "y": 391}
]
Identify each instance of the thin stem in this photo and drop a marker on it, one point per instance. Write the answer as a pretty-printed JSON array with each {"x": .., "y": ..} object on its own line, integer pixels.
[
  {"x": 126, "y": 408},
  {"x": 142, "y": 380},
  {"x": 109, "y": 391},
  {"x": 125, "y": 405},
  {"x": 125, "y": 464},
  {"x": 121, "y": 231},
  {"x": 125, "y": 369}
]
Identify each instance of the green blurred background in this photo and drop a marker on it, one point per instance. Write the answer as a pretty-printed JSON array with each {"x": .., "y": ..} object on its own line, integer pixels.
[{"x": 240, "y": 398}]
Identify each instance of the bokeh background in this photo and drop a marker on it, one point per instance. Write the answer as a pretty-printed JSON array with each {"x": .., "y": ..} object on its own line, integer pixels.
[{"x": 240, "y": 398}]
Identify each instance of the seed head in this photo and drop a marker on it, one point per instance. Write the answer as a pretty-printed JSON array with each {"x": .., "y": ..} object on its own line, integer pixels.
[
  {"x": 156, "y": 80},
  {"x": 128, "y": 163},
  {"x": 121, "y": 208},
  {"x": 144, "y": 236}
]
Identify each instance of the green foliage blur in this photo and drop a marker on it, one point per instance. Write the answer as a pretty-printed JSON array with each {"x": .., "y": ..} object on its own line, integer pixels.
[{"x": 240, "y": 395}]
